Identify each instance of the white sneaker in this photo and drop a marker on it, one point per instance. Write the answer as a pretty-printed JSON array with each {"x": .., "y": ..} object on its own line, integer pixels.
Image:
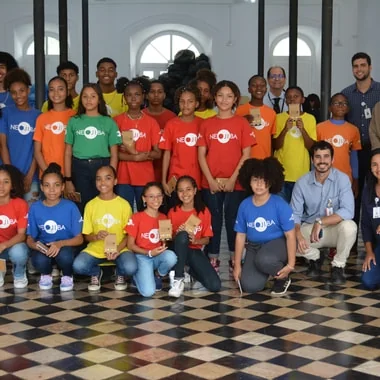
[
  {"x": 120, "y": 283},
  {"x": 96, "y": 282},
  {"x": 2, "y": 274},
  {"x": 177, "y": 288},
  {"x": 171, "y": 277},
  {"x": 187, "y": 279},
  {"x": 20, "y": 283}
]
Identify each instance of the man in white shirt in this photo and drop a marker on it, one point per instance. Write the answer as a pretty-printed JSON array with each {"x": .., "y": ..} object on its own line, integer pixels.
[{"x": 275, "y": 97}]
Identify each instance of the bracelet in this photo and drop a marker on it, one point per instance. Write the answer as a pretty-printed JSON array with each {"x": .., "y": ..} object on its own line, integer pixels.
[
  {"x": 150, "y": 253},
  {"x": 292, "y": 268}
]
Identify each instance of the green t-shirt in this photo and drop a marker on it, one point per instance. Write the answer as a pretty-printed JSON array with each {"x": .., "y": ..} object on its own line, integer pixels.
[{"x": 92, "y": 136}]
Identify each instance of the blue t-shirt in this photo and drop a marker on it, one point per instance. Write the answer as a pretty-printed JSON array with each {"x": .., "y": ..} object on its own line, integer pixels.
[
  {"x": 264, "y": 223},
  {"x": 60, "y": 222},
  {"x": 6, "y": 99},
  {"x": 19, "y": 127}
]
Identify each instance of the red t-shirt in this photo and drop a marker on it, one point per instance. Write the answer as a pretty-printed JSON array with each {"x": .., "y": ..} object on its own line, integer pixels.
[
  {"x": 225, "y": 139},
  {"x": 146, "y": 134},
  {"x": 181, "y": 139},
  {"x": 161, "y": 119},
  {"x": 179, "y": 217},
  {"x": 144, "y": 228},
  {"x": 13, "y": 215}
]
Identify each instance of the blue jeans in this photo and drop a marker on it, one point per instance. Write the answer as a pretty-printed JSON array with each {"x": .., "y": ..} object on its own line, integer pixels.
[
  {"x": 84, "y": 173},
  {"x": 131, "y": 194},
  {"x": 64, "y": 260},
  {"x": 18, "y": 254},
  {"x": 286, "y": 191},
  {"x": 88, "y": 265},
  {"x": 371, "y": 278},
  {"x": 230, "y": 202},
  {"x": 144, "y": 277}
]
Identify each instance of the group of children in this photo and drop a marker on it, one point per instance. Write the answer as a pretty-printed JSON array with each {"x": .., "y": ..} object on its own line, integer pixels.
[{"x": 146, "y": 157}]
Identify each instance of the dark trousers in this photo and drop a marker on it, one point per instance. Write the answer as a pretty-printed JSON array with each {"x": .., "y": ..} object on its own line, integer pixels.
[
  {"x": 84, "y": 175},
  {"x": 371, "y": 278},
  {"x": 200, "y": 266},
  {"x": 64, "y": 260},
  {"x": 222, "y": 203}
]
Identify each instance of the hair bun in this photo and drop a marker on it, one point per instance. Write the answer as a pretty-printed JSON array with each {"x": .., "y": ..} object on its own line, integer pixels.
[{"x": 53, "y": 168}]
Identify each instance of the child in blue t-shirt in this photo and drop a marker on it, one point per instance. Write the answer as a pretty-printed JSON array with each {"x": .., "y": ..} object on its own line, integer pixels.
[
  {"x": 266, "y": 221},
  {"x": 16, "y": 131},
  {"x": 7, "y": 63},
  {"x": 57, "y": 224}
]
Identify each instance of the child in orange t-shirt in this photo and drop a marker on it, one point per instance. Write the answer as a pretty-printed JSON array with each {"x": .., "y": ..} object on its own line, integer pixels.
[
  {"x": 49, "y": 135},
  {"x": 265, "y": 125},
  {"x": 343, "y": 136},
  {"x": 224, "y": 144},
  {"x": 135, "y": 166},
  {"x": 179, "y": 141},
  {"x": 144, "y": 240},
  {"x": 156, "y": 96}
]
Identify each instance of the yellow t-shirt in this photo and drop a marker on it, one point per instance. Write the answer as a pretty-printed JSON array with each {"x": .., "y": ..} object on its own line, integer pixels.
[
  {"x": 44, "y": 107},
  {"x": 115, "y": 103},
  {"x": 293, "y": 155},
  {"x": 209, "y": 112},
  {"x": 111, "y": 216}
]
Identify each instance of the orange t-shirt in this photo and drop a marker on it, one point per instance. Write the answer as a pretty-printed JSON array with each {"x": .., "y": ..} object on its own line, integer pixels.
[
  {"x": 161, "y": 119},
  {"x": 224, "y": 139},
  {"x": 50, "y": 132},
  {"x": 263, "y": 132},
  {"x": 144, "y": 228},
  {"x": 179, "y": 217},
  {"x": 146, "y": 134},
  {"x": 344, "y": 138},
  {"x": 181, "y": 139}
]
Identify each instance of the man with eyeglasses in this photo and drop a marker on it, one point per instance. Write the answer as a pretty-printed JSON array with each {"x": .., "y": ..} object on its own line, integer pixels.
[
  {"x": 362, "y": 97},
  {"x": 275, "y": 97}
]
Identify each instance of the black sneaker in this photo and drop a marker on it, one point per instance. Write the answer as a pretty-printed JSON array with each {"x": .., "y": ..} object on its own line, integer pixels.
[
  {"x": 337, "y": 276},
  {"x": 314, "y": 268},
  {"x": 281, "y": 286}
]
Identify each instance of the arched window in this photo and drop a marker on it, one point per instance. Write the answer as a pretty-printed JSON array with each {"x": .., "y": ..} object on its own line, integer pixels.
[
  {"x": 51, "y": 46},
  {"x": 282, "y": 48},
  {"x": 159, "y": 52}
]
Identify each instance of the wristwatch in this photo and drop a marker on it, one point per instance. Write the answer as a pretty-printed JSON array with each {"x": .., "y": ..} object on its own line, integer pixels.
[{"x": 319, "y": 221}]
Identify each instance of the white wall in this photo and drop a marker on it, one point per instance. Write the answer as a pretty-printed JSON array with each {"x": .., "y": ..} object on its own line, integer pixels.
[{"x": 229, "y": 25}]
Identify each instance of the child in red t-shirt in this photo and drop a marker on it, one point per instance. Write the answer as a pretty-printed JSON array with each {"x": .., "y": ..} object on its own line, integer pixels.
[
  {"x": 135, "y": 166},
  {"x": 179, "y": 141},
  {"x": 144, "y": 240},
  {"x": 188, "y": 246},
  {"x": 13, "y": 222},
  {"x": 224, "y": 144}
]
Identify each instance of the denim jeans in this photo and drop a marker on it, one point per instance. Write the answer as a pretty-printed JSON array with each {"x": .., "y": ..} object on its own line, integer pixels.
[
  {"x": 286, "y": 191},
  {"x": 18, "y": 254},
  {"x": 84, "y": 175},
  {"x": 144, "y": 277},
  {"x": 64, "y": 260},
  {"x": 216, "y": 203},
  {"x": 371, "y": 278},
  {"x": 131, "y": 194},
  {"x": 88, "y": 265},
  {"x": 200, "y": 266}
]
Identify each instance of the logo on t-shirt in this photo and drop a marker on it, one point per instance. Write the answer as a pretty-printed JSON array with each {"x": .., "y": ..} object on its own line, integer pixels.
[
  {"x": 57, "y": 127},
  {"x": 90, "y": 132},
  {"x": 190, "y": 139},
  {"x": 6, "y": 222},
  {"x": 295, "y": 132},
  {"x": 261, "y": 126},
  {"x": 137, "y": 134},
  {"x": 22, "y": 128},
  {"x": 223, "y": 136},
  {"x": 108, "y": 221},
  {"x": 153, "y": 236},
  {"x": 51, "y": 227},
  {"x": 260, "y": 224},
  {"x": 338, "y": 141}
]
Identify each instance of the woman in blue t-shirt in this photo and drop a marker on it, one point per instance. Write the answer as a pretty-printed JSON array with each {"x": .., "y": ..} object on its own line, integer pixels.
[
  {"x": 54, "y": 229},
  {"x": 265, "y": 222}
]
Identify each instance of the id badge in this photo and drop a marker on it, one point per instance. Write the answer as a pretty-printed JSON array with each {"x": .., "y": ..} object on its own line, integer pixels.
[
  {"x": 376, "y": 212},
  {"x": 2, "y": 105},
  {"x": 367, "y": 113},
  {"x": 329, "y": 211}
]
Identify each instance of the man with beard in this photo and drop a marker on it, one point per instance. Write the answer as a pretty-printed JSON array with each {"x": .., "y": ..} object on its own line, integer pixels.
[
  {"x": 362, "y": 97},
  {"x": 323, "y": 206}
]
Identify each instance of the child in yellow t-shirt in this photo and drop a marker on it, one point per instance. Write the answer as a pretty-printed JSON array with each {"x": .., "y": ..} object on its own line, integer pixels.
[{"x": 292, "y": 141}]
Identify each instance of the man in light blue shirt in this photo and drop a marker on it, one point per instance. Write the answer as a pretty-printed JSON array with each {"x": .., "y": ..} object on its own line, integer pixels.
[{"x": 323, "y": 208}]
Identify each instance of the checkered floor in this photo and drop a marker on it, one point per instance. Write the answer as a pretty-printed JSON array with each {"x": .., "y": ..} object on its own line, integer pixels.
[{"x": 317, "y": 331}]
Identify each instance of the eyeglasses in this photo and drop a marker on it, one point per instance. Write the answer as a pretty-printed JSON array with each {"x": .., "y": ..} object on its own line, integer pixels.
[
  {"x": 276, "y": 76},
  {"x": 152, "y": 197},
  {"x": 340, "y": 104}
]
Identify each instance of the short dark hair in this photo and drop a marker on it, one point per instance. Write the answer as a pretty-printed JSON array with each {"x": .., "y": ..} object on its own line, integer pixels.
[
  {"x": 338, "y": 94},
  {"x": 17, "y": 75},
  {"x": 53, "y": 168},
  {"x": 321, "y": 145},
  {"x": 68, "y": 65},
  {"x": 275, "y": 67},
  {"x": 254, "y": 77},
  {"x": 269, "y": 169},
  {"x": 105, "y": 60},
  {"x": 295, "y": 88},
  {"x": 361, "y": 55},
  {"x": 8, "y": 60}
]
